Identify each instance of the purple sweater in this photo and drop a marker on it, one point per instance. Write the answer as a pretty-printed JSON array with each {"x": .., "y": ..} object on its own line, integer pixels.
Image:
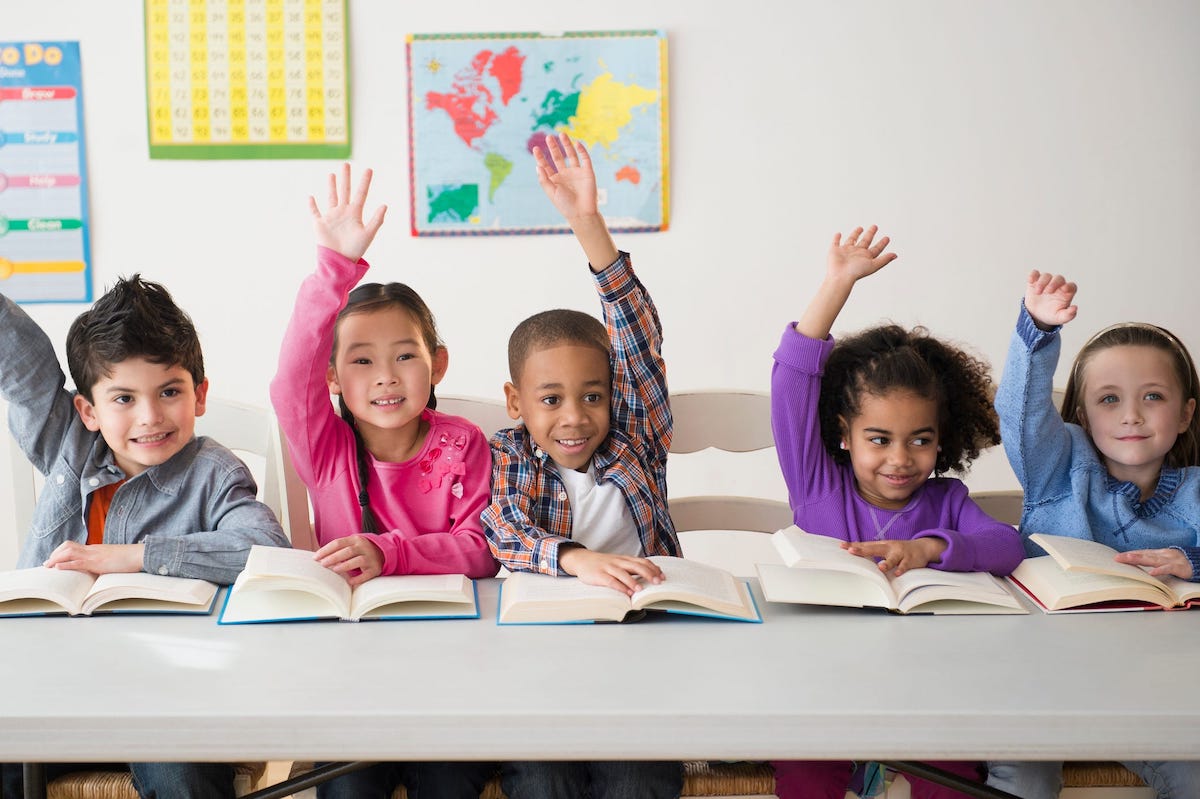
[{"x": 825, "y": 499}]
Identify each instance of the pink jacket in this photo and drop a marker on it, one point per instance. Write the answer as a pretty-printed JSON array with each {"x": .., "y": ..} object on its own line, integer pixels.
[{"x": 429, "y": 505}]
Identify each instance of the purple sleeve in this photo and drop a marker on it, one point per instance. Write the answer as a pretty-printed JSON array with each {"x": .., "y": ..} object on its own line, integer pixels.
[
  {"x": 975, "y": 542},
  {"x": 809, "y": 471}
]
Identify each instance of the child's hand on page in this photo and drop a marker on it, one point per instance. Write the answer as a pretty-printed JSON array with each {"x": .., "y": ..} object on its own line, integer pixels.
[
  {"x": 897, "y": 557},
  {"x": 340, "y": 227},
  {"x": 1162, "y": 562},
  {"x": 97, "y": 558},
  {"x": 622, "y": 573},
  {"x": 354, "y": 557},
  {"x": 1048, "y": 299}
]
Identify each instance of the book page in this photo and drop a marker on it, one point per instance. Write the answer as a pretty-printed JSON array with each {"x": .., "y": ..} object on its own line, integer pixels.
[
  {"x": 809, "y": 584},
  {"x": 413, "y": 595},
  {"x": 1057, "y": 589},
  {"x": 1080, "y": 554},
  {"x": 280, "y": 583},
  {"x": 935, "y": 591},
  {"x": 532, "y": 598},
  {"x": 148, "y": 592},
  {"x": 694, "y": 583},
  {"x": 42, "y": 590},
  {"x": 807, "y": 551}
]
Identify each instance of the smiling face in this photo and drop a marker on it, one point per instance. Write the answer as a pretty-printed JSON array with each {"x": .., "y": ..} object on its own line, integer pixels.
[
  {"x": 563, "y": 394},
  {"x": 383, "y": 369},
  {"x": 893, "y": 446},
  {"x": 1133, "y": 408},
  {"x": 145, "y": 411}
]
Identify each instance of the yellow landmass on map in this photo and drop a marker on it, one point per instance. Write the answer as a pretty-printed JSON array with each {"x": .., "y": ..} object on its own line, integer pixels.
[{"x": 605, "y": 107}]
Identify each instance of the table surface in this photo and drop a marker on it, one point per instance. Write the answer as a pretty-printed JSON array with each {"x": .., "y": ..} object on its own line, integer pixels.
[{"x": 809, "y": 682}]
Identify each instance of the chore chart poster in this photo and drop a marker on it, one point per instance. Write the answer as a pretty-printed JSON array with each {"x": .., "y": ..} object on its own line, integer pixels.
[
  {"x": 247, "y": 79},
  {"x": 479, "y": 103},
  {"x": 44, "y": 252}
]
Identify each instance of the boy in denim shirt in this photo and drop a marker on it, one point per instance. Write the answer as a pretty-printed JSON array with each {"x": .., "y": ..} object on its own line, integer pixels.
[
  {"x": 580, "y": 488},
  {"x": 128, "y": 485}
]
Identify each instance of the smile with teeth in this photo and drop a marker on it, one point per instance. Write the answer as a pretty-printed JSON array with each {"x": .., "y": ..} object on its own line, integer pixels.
[
  {"x": 387, "y": 402},
  {"x": 570, "y": 442},
  {"x": 152, "y": 439}
]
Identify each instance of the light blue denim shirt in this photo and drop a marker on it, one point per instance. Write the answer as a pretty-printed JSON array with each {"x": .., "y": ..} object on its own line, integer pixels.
[
  {"x": 1067, "y": 489},
  {"x": 196, "y": 513}
]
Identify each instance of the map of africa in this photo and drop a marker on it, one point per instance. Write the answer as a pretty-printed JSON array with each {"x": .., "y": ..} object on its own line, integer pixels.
[{"x": 479, "y": 104}]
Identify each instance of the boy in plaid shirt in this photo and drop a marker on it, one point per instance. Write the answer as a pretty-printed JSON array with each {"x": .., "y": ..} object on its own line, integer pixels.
[{"x": 580, "y": 488}]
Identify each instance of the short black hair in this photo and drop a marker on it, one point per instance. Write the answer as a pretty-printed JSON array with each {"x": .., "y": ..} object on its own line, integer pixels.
[
  {"x": 134, "y": 319},
  {"x": 558, "y": 326}
]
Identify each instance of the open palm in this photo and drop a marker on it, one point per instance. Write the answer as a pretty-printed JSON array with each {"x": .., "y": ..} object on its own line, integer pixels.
[
  {"x": 566, "y": 176},
  {"x": 340, "y": 227}
]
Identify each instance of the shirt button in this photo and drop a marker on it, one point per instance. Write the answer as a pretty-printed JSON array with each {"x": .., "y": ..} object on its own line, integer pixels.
[
  {"x": 93, "y": 482},
  {"x": 562, "y": 496},
  {"x": 60, "y": 479},
  {"x": 162, "y": 570},
  {"x": 544, "y": 565}
]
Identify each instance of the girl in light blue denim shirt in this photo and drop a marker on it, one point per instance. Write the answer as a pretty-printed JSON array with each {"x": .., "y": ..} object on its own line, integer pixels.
[{"x": 1120, "y": 465}]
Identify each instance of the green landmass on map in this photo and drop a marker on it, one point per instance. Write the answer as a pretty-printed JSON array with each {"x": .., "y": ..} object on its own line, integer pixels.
[
  {"x": 499, "y": 168},
  {"x": 452, "y": 203}
]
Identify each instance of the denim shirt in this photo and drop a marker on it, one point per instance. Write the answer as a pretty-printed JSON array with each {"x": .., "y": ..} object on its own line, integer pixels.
[
  {"x": 196, "y": 513},
  {"x": 1067, "y": 489}
]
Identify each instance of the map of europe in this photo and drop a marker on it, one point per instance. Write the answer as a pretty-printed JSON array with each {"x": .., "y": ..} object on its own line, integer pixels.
[{"x": 479, "y": 104}]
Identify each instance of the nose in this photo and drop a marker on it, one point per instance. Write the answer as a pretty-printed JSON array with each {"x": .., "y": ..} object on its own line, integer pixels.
[
  {"x": 386, "y": 375},
  {"x": 150, "y": 413},
  {"x": 572, "y": 412},
  {"x": 1132, "y": 413},
  {"x": 899, "y": 455}
]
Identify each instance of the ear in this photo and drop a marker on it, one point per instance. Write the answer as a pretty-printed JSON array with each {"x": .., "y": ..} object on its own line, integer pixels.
[
  {"x": 87, "y": 413},
  {"x": 512, "y": 401},
  {"x": 1189, "y": 410},
  {"x": 331, "y": 380},
  {"x": 201, "y": 396},
  {"x": 441, "y": 361}
]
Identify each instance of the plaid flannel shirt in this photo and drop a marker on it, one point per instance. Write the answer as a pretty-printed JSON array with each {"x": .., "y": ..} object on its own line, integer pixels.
[{"x": 530, "y": 515}]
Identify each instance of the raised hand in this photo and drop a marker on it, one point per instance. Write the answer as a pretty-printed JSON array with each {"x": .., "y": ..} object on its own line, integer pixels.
[
  {"x": 858, "y": 255},
  {"x": 341, "y": 227},
  {"x": 566, "y": 176},
  {"x": 1048, "y": 299}
]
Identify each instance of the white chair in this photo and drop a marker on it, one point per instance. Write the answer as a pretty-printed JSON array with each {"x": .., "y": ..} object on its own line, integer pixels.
[
  {"x": 490, "y": 415},
  {"x": 722, "y": 530}
]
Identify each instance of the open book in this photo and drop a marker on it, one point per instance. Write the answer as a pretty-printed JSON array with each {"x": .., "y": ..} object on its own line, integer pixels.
[
  {"x": 281, "y": 584},
  {"x": 1080, "y": 575},
  {"x": 42, "y": 592},
  {"x": 688, "y": 587},
  {"x": 820, "y": 572}
]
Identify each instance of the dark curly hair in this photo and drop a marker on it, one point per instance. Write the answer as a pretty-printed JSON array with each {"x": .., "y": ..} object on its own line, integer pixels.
[{"x": 886, "y": 358}]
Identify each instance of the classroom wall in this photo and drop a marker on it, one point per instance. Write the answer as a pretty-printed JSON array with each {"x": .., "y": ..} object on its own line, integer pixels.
[{"x": 985, "y": 137}]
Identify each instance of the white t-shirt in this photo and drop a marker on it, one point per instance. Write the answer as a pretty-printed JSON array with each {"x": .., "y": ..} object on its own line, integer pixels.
[{"x": 600, "y": 518}]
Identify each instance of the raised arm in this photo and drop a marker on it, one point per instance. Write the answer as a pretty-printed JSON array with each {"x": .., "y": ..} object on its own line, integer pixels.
[
  {"x": 848, "y": 261},
  {"x": 565, "y": 173}
]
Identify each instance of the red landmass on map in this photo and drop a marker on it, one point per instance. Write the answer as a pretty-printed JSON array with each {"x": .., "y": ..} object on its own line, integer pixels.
[
  {"x": 469, "y": 101},
  {"x": 629, "y": 173}
]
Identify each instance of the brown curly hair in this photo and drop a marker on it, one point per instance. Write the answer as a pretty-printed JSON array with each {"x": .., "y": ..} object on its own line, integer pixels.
[{"x": 886, "y": 358}]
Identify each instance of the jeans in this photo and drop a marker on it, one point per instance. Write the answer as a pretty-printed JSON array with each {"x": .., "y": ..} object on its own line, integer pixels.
[
  {"x": 1170, "y": 779},
  {"x": 420, "y": 781},
  {"x": 151, "y": 780},
  {"x": 622, "y": 779}
]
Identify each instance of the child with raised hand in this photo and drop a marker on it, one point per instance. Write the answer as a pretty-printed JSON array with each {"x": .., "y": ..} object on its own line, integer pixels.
[
  {"x": 396, "y": 486},
  {"x": 860, "y": 427},
  {"x": 1118, "y": 465},
  {"x": 580, "y": 487}
]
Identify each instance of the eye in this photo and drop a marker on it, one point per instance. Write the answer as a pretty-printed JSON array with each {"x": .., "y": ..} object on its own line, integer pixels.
[
  {"x": 922, "y": 441},
  {"x": 170, "y": 393},
  {"x": 551, "y": 400},
  {"x": 879, "y": 441},
  {"x": 408, "y": 356},
  {"x": 593, "y": 398},
  {"x": 1154, "y": 396},
  {"x": 122, "y": 399},
  {"x": 361, "y": 361},
  {"x": 1108, "y": 399}
]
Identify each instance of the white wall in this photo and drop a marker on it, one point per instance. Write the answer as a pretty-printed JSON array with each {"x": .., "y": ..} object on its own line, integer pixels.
[{"x": 987, "y": 138}]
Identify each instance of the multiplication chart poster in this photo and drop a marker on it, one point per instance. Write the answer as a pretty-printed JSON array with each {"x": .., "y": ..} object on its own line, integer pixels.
[
  {"x": 247, "y": 79},
  {"x": 44, "y": 252}
]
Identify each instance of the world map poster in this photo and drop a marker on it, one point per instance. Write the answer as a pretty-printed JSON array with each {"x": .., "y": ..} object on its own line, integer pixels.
[{"x": 480, "y": 103}]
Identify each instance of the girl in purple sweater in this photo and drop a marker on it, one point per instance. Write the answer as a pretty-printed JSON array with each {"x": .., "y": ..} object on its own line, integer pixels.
[
  {"x": 396, "y": 486},
  {"x": 860, "y": 429}
]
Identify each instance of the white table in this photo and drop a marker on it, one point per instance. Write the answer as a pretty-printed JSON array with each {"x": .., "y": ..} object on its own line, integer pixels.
[{"x": 810, "y": 682}]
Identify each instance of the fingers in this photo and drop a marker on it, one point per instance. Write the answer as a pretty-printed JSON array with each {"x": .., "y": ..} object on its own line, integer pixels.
[
  {"x": 331, "y": 196},
  {"x": 376, "y": 221},
  {"x": 343, "y": 194},
  {"x": 557, "y": 157}
]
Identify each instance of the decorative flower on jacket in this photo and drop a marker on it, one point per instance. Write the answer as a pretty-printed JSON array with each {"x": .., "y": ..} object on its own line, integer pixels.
[{"x": 444, "y": 459}]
